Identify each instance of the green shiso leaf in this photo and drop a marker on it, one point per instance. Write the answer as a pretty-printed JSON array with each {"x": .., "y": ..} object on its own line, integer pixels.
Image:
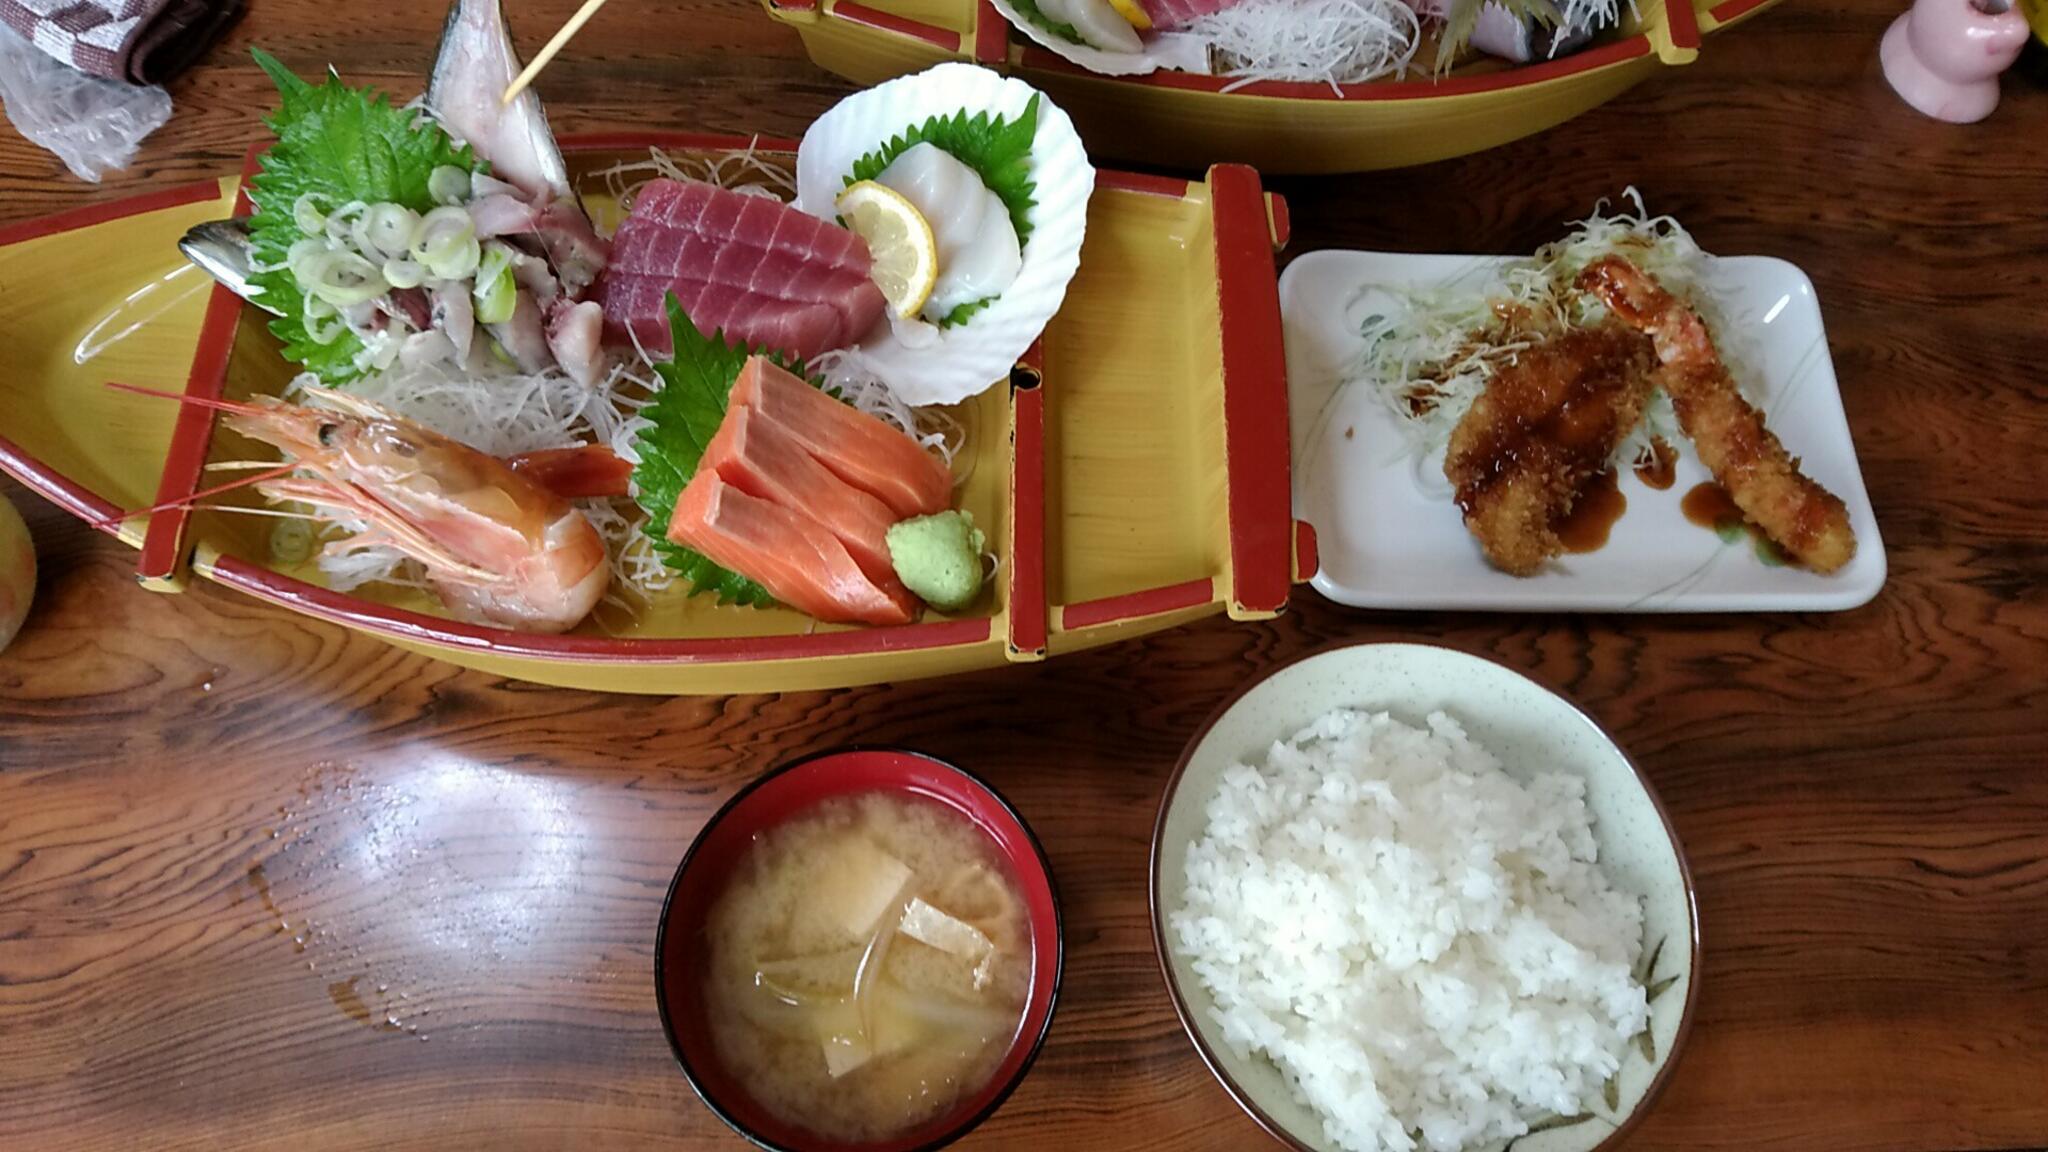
[
  {"x": 696, "y": 384},
  {"x": 1030, "y": 11},
  {"x": 341, "y": 144},
  {"x": 998, "y": 149}
]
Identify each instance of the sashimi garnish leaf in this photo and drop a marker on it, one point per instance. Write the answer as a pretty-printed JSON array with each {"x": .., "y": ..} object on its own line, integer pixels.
[
  {"x": 696, "y": 384},
  {"x": 1031, "y": 12},
  {"x": 998, "y": 149},
  {"x": 342, "y": 144},
  {"x": 962, "y": 313}
]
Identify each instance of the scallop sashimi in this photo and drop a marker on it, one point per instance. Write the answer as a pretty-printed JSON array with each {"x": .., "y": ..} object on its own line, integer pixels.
[
  {"x": 751, "y": 266},
  {"x": 979, "y": 255}
]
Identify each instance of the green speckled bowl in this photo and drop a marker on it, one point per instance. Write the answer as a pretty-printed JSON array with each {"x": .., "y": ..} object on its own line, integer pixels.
[{"x": 1530, "y": 729}]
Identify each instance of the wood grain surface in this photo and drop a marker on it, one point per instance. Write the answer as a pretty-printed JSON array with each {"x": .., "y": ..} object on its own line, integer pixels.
[{"x": 267, "y": 885}]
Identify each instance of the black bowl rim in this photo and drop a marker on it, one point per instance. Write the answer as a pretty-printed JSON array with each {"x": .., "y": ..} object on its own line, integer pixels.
[
  {"x": 1216, "y": 1069},
  {"x": 1059, "y": 944}
]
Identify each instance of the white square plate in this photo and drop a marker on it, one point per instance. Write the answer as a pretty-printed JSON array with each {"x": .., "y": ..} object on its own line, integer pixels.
[{"x": 1389, "y": 536}]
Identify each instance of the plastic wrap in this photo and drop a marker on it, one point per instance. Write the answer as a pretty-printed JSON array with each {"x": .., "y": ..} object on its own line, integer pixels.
[{"x": 92, "y": 125}]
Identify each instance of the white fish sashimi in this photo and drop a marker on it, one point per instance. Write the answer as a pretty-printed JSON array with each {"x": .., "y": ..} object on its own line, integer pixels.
[
  {"x": 979, "y": 255},
  {"x": 1097, "y": 22}
]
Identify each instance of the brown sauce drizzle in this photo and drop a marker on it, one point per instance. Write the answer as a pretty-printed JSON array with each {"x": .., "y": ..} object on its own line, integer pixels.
[
  {"x": 1658, "y": 468},
  {"x": 1586, "y": 527},
  {"x": 1709, "y": 506}
]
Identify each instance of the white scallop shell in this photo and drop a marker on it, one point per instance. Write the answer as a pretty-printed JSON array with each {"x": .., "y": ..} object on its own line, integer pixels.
[
  {"x": 1174, "y": 51},
  {"x": 944, "y": 366}
]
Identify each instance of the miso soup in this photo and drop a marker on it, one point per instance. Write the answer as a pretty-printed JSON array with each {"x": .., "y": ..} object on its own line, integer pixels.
[{"x": 869, "y": 965}]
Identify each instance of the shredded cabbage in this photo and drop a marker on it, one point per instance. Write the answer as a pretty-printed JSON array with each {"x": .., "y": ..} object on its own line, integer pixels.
[{"x": 1429, "y": 352}]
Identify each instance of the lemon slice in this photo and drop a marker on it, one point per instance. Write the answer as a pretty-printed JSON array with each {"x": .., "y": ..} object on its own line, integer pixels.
[
  {"x": 899, "y": 238},
  {"x": 1129, "y": 10}
]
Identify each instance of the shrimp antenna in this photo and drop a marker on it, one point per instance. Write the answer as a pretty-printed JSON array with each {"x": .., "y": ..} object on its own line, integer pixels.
[
  {"x": 189, "y": 501},
  {"x": 182, "y": 398}
]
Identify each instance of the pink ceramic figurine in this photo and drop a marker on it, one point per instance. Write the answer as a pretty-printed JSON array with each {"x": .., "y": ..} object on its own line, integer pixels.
[{"x": 1944, "y": 56}]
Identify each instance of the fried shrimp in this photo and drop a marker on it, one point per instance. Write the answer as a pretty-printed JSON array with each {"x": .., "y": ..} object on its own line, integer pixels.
[{"x": 1806, "y": 520}]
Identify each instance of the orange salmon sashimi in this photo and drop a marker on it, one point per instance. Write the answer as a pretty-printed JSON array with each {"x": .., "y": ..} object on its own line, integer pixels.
[
  {"x": 797, "y": 559},
  {"x": 858, "y": 448},
  {"x": 762, "y": 459}
]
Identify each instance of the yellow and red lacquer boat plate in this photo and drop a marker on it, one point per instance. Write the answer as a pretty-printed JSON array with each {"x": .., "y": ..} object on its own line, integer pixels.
[
  {"x": 1187, "y": 121},
  {"x": 1133, "y": 472}
]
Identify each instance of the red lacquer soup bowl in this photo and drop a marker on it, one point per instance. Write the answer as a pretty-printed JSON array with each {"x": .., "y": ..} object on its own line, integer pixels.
[{"x": 681, "y": 947}]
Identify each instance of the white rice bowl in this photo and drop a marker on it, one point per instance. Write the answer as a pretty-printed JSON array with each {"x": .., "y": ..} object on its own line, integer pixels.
[{"x": 1424, "y": 946}]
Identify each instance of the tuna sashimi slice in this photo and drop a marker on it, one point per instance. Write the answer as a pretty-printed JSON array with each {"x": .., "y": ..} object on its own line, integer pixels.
[
  {"x": 1167, "y": 15},
  {"x": 761, "y": 458},
  {"x": 790, "y": 554},
  {"x": 757, "y": 269},
  {"x": 858, "y": 448}
]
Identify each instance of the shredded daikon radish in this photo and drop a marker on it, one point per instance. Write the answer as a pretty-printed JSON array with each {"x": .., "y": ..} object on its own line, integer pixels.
[
  {"x": 1429, "y": 353},
  {"x": 742, "y": 170},
  {"x": 1332, "y": 42}
]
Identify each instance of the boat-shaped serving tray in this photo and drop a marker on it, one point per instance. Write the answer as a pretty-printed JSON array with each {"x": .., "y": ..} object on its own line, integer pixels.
[
  {"x": 1181, "y": 120},
  {"x": 1132, "y": 473}
]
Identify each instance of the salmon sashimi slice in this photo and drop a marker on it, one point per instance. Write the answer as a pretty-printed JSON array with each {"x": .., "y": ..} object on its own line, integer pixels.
[
  {"x": 753, "y": 267},
  {"x": 790, "y": 554},
  {"x": 857, "y": 447},
  {"x": 761, "y": 459}
]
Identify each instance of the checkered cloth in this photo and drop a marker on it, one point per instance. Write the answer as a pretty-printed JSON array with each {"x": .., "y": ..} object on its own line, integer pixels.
[{"x": 139, "y": 41}]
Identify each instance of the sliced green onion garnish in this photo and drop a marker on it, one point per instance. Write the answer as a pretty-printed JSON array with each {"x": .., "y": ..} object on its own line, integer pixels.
[
  {"x": 446, "y": 244},
  {"x": 496, "y": 293},
  {"x": 344, "y": 278},
  {"x": 448, "y": 185},
  {"x": 306, "y": 212},
  {"x": 402, "y": 273},
  {"x": 390, "y": 229}
]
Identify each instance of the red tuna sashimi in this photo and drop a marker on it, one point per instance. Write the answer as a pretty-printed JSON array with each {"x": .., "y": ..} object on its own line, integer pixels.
[
  {"x": 790, "y": 554},
  {"x": 1166, "y": 15},
  {"x": 858, "y": 448},
  {"x": 761, "y": 458},
  {"x": 763, "y": 272}
]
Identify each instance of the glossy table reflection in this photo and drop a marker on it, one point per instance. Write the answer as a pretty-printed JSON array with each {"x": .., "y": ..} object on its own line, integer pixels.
[{"x": 263, "y": 885}]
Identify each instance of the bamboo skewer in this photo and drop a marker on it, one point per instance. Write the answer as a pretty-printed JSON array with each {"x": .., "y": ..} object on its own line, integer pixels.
[{"x": 547, "y": 53}]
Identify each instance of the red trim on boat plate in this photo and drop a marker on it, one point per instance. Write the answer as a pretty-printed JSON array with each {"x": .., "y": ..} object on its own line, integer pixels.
[
  {"x": 1027, "y": 512},
  {"x": 402, "y": 624},
  {"x": 600, "y": 141},
  {"x": 1040, "y": 60},
  {"x": 1255, "y": 447},
  {"x": 62, "y": 491},
  {"x": 991, "y": 35},
  {"x": 163, "y": 543},
  {"x": 868, "y": 17},
  {"x": 91, "y": 214},
  {"x": 1307, "y": 562},
  {"x": 1134, "y": 605},
  {"x": 1734, "y": 10},
  {"x": 1171, "y": 187},
  {"x": 1683, "y": 23}
]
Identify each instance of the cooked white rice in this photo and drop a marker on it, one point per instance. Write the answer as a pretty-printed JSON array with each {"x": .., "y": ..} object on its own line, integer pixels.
[{"x": 1425, "y": 947}]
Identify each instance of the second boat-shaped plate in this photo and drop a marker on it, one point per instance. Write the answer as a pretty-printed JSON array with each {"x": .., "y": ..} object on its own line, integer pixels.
[{"x": 1389, "y": 535}]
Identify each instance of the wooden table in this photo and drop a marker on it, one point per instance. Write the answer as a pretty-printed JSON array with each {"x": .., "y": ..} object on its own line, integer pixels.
[{"x": 267, "y": 885}]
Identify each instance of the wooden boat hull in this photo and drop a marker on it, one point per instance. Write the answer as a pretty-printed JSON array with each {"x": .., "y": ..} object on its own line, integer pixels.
[
  {"x": 1134, "y": 472},
  {"x": 1182, "y": 121}
]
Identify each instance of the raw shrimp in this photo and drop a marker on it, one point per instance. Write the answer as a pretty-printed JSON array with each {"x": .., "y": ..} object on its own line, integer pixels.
[
  {"x": 1799, "y": 515},
  {"x": 497, "y": 545}
]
